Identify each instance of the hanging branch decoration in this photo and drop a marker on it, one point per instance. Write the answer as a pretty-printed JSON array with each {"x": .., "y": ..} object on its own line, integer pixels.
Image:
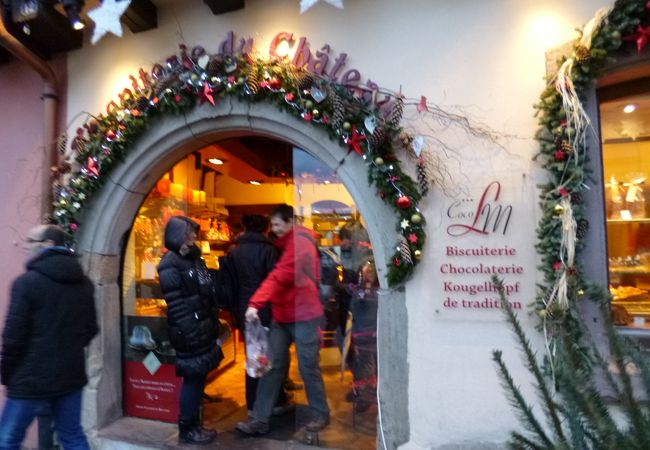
[{"x": 563, "y": 152}]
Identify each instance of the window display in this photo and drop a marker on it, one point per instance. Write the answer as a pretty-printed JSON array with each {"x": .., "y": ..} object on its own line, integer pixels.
[{"x": 625, "y": 125}]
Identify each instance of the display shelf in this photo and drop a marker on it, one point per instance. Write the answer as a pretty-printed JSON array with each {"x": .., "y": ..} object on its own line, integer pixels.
[{"x": 637, "y": 220}]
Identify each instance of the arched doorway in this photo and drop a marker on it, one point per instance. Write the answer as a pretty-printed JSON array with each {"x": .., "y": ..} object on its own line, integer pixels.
[{"x": 110, "y": 216}]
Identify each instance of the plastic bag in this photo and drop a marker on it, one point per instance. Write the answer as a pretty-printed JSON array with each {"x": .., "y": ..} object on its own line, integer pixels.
[{"x": 258, "y": 350}]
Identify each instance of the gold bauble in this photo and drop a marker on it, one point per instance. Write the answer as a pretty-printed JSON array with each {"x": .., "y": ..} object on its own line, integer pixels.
[
  {"x": 542, "y": 313},
  {"x": 309, "y": 104},
  {"x": 416, "y": 218},
  {"x": 417, "y": 254},
  {"x": 347, "y": 126},
  {"x": 558, "y": 210},
  {"x": 379, "y": 160},
  {"x": 315, "y": 113}
]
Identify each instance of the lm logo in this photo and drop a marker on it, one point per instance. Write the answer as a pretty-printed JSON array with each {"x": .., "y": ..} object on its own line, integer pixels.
[{"x": 489, "y": 216}]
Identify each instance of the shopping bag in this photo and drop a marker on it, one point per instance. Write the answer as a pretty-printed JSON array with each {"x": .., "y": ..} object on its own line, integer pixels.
[{"x": 258, "y": 350}]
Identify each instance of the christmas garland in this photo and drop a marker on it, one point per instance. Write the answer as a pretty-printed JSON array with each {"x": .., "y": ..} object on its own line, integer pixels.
[
  {"x": 349, "y": 116},
  {"x": 564, "y": 154}
]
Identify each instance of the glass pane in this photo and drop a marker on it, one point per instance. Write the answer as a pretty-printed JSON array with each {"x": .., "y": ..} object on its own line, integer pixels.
[{"x": 625, "y": 128}]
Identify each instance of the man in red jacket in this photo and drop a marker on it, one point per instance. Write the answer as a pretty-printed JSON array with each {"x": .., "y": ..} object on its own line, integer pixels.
[{"x": 292, "y": 289}]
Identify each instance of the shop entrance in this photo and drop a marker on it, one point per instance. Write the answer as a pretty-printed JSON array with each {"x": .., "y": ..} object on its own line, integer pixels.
[
  {"x": 219, "y": 185},
  {"x": 108, "y": 220}
]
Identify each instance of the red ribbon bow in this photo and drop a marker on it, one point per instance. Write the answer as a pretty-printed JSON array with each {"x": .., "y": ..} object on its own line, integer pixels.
[{"x": 641, "y": 37}]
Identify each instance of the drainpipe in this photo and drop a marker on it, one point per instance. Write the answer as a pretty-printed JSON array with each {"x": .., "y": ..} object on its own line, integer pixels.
[{"x": 50, "y": 102}]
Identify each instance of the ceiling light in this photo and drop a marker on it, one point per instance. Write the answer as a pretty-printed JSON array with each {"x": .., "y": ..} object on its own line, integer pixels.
[
  {"x": 629, "y": 108},
  {"x": 73, "y": 9},
  {"x": 255, "y": 182},
  {"x": 215, "y": 161},
  {"x": 327, "y": 181}
]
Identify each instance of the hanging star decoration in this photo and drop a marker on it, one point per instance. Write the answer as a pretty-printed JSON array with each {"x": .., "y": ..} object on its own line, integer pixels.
[
  {"x": 107, "y": 18},
  {"x": 355, "y": 140},
  {"x": 640, "y": 36},
  {"x": 404, "y": 224},
  {"x": 306, "y": 4},
  {"x": 207, "y": 94}
]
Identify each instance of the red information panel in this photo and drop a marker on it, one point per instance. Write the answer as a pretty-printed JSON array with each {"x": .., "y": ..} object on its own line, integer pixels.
[{"x": 151, "y": 396}]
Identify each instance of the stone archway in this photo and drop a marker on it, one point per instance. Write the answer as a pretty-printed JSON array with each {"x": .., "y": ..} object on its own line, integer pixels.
[{"x": 110, "y": 216}]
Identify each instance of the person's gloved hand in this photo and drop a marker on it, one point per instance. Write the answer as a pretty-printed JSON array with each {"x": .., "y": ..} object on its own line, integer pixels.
[{"x": 251, "y": 314}]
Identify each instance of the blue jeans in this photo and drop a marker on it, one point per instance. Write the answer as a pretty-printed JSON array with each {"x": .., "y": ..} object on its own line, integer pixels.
[
  {"x": 190, "y": 399},
  {"x": 307, "y": 339},
  {"x": 19, "y": 413}
]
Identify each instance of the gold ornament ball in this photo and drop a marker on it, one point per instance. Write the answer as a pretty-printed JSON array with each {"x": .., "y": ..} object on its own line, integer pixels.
[
  {"x": 309, "y": 104},
  {"x": 417, "y": 254},
  {"x": 581, "y": 292},
  {"x": 315, "y": 113},
  {"x": 194, "y": 77},
  {"x": 379, "y": 160},
  {"x": 416, "y": 218},
  {"x": 347, "y": 126},
  {"x": 542, "y": 313},
  {"x": 558, "y": 210},
  {"x": 240, "y": 80}
]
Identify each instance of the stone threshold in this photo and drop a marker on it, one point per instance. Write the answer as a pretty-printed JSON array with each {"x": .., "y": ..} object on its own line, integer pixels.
[{"x": 129, "y": 433}]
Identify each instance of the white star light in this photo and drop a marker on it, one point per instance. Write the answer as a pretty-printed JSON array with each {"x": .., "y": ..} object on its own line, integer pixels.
[
  {"x": 107, "y": 18},
  {"x": 405, "y": 224},
  {"x": 306, "y": 4}
]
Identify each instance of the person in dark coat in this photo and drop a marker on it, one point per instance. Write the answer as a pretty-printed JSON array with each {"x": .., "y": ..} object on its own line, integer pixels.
[
  {"x": 249, "y": 262},
  {"x": 51, "y": 318},
  {"x": 189, "y": 291}
]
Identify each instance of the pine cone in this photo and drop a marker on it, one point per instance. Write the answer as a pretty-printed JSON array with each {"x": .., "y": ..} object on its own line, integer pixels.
[
  {"x": 582, "y": 228},
  {"x": 423, "y": 179},
  {"x": 215, "y": 66},
  {"x": 405, "y": 249},
  {"x": 142, "y": 103},
  {"x": 252, "y": 79},
  {"x": 576, "y": 198},
  {"x": 582, "y": 53},
  {"x": 338, "y": 113},
  {"x": 396, "y": 113},
  {"x": 61, "y": 143},
  {"x": 377, "y": 138},
  {"x": 304, "y": 81}
]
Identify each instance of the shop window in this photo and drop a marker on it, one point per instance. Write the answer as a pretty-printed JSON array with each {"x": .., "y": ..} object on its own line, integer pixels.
[
  {"x": 625, "y": 136},
  {"x": 216, "y": 186}
]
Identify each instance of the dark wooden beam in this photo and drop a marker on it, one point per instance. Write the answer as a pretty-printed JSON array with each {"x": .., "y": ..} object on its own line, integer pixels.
[
  {"x": 142, "y": 15},
  {"x": 5, "y": 56},
  {"x": 223, "y": 6}
]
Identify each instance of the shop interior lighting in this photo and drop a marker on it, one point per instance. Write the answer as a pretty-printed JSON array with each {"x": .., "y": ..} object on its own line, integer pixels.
[
  {"x": 629, "y": 108},
  {"x": 255, "y": 182},
  {"x": 216, "y": 161}
]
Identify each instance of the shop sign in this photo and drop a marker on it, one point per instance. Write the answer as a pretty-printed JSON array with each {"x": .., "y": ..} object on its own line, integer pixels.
[
  {"x": 322, "y": 62},
  {"x": 151, "y": 391},
  {"x": 478, "y": 247}
]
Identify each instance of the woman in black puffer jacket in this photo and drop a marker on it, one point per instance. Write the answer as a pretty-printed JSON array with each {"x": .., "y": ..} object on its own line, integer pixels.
[{"x": 189, "y": 292}]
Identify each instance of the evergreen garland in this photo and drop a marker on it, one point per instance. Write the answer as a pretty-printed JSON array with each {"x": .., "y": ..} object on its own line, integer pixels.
[{"x": 175, "y": 88}]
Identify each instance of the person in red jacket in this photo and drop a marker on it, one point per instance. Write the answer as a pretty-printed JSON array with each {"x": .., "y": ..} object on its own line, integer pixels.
[{"x": 292, "y": 289}]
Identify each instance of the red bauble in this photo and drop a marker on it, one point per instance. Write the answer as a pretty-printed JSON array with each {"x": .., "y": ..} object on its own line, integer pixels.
[
  {"x": 396, "y": 262},
  {"x": 403, "y": 202},
  {"x": 110, "y": 134}
]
